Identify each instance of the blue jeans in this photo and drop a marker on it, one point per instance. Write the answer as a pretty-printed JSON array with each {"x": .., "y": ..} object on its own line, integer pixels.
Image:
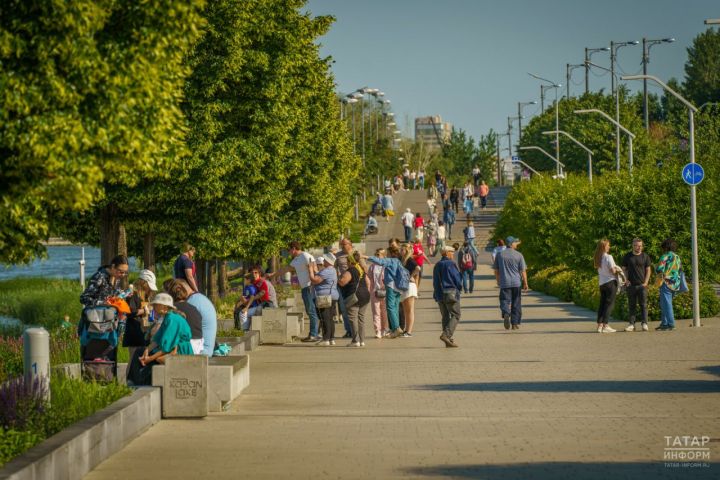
[
  {"x": 392, "y": 305},
  {"x": 471, "y": 244},
  {"x": 307, "y": 296},
  {"x": 408, "y": 234},
  {"x": 468, "y": 276},
  {"x": 510, "y": 303},
  {"x": 345, "y": 317},
  {"x": 667, "y": 316}
]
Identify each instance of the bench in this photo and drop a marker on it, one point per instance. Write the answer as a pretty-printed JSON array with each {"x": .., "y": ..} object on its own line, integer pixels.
[{"x": 278, "y": 325}]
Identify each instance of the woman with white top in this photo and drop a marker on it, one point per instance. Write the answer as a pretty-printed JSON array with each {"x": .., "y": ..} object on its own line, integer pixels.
[{"x": 607, "y": 270}]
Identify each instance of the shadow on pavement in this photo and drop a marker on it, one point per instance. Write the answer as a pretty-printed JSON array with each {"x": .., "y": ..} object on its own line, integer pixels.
[
  {"x": 584, "y": 386},
  {"x": 711, "y": 369},
  {"x": 553, "y": 470}
]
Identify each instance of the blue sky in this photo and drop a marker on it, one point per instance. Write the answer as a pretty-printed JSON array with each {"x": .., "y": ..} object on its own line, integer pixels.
[{"x": 467, "y": 60}]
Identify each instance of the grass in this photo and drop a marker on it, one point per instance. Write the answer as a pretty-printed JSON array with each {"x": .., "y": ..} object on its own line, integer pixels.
[{"x": 41, "y": 301}]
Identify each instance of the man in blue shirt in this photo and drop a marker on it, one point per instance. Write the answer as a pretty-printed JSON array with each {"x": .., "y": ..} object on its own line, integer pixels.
[
  {"x": 447, "y": 285},
  {"x": 511, "y": 273}
]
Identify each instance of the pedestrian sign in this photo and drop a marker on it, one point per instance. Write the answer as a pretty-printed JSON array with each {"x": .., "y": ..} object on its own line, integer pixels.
[{"x": 693, "y": 173}]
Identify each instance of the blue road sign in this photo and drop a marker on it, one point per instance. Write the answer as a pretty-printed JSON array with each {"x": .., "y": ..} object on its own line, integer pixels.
[
  {"x": 693, "y": 173},
  {"x": 515, "y": 158}
]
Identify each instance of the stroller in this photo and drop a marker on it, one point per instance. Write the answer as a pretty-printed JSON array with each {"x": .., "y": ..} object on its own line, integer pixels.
[{"x": 99, "y": 331}]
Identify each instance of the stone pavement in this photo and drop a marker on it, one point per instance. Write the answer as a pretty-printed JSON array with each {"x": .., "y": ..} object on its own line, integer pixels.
[{"x": 552, "y": 400}]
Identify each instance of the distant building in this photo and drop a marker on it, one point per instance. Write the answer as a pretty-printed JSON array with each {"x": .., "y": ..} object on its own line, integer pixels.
[{"x": 428, "y": 129}]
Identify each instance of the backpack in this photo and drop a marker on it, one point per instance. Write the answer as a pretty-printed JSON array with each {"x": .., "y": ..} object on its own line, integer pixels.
[
  {"x": 467, "y": 263},
  {"x": 402, "y": 279}
]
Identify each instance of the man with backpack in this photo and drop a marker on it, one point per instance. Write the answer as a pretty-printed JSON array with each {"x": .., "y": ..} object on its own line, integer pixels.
[
  {"x": 467, "y": 263},
  {"x": 446, "y": 292}
]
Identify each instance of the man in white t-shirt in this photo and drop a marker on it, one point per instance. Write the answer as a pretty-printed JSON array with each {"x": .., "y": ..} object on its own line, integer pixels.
[
  {"x": 407, "y": 220},
  {"x": 302, "y": 263}
]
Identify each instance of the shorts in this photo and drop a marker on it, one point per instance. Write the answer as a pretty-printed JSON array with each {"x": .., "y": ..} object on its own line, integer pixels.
[
  {"x": 389, "y": 213},
  {"x": 410, "y": 292}
]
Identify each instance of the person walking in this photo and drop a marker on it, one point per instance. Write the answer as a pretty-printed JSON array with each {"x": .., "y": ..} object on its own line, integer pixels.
[
  {"x": 468, "y": 205},
  {"x": 510, "y": 274},
  {"x": 421, "y": 179},
  {"x": 418, "y": 253},
  {"x": 325, "y": 282},
  {"x": 388, "y": 208},
  {"x": 449, "y": 219},
  {"x": 469, "y": 233},
  {"x": 454, "y": 198},
  {"x": 419, "y": 224},
  {"x": 392, "y": 274},
  {"x": 377, "y": 296},
  {"x": 673, "y": 282},
  {"x": 499, "y": 247},
  {"x": 467, "y": 264},
  {"x": 302, "y": 263},
  {"x": 607, "y": 279},
  {"x": 483, "y": 191},
  {"x": 637, "y": 268},
  {"x": 476, "y": 175},
  {"x": 441, "y": 237},
  {"x": 446, "y": 292},
  {"x": 407, "y": 219}
]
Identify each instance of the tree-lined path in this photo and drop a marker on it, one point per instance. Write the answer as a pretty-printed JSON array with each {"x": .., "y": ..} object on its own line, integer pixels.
[{"x": 552, "y": 400}]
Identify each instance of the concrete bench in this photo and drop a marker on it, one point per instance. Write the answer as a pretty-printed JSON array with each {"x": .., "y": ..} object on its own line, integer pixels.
[
  {"x": 278, "y": 325},
  {"x": 241, "y": 345},
  {"x": 227, "y": 378}
]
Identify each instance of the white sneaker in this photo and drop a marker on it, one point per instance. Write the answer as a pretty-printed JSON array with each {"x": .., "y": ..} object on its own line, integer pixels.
[
  {"x": 353, "y": 344},
  {"x": 378, "y": 335},
  {"x": 362, "y": 344},
  {"x": 323, "y": 343},
  {"x": 599, "y": 328},
  {"x": 332, "y": 342},
  {"x": 645, "y": 327},
  {"x": 608, "y": 329},
  {"x": 630, "y": 328}
]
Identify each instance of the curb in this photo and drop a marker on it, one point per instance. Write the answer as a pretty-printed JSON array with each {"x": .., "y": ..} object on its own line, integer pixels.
[{"x": 76, "y": 450}]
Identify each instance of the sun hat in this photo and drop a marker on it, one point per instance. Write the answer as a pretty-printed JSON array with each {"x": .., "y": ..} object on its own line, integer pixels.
[
  {"x": 510, "y": 240},
  {"x": 319, "y": 259},
  {"x": 163, "y": 299},
  {"x": 329, "y": 258},
  {"x": 448, "y": 248},
  {"x": 149, "y": 277}
]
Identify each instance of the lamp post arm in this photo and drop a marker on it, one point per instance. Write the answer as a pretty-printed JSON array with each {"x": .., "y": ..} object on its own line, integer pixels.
[
  {"x": 608, "y": 117},
  {"x": 663, "y": 85}
]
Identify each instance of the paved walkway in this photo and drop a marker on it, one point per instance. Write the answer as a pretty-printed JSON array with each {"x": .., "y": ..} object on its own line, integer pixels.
[{"x": 553, "y": 400}]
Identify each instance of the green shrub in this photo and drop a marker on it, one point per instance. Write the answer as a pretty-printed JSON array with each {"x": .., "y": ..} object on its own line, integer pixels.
[
  {"x": 13, "y": 443},
  {"x": 583, "y": 290},
  {"x": 40, "y": 301}
]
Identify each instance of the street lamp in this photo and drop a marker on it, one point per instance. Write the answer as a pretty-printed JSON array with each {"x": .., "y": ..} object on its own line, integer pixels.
[
  {"x": 528, "y": 166},
  {"x": 557, "y": 114},
  {"x": 588, "y": 57},
  {"x": 510, "y": 120},
  {"x": 614, "y": 47},
  {"x": 499, "y": 169},
  {"x": 618, "y": 127},
  {"x": 647, "y": 44},
  {"x": 568, "y": 72},
  {"x": 712, "y": 21},
  {"x": 520, "y": 117},
  {"x": 693, "y": 200},
  {"x": 559, "y": 165},
  {"x": 577, "y": 142},
  {"x": 617, "y": 117}
]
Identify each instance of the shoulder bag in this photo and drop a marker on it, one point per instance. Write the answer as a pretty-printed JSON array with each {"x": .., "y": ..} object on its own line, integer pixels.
[{"x": 324, "y": 301}]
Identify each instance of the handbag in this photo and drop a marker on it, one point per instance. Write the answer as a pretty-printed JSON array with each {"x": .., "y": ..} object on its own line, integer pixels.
[
  {"x": 683, "y": 288},
  {"x": 324, "y": 301},
  {"x": 380, "y": 293},
  {"x": 449, "y": 296},
  {"x": 352, "y": 299}
]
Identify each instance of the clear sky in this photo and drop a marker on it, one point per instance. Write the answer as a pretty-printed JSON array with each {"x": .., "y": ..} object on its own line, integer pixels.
[{"x": 467, "y": 60}]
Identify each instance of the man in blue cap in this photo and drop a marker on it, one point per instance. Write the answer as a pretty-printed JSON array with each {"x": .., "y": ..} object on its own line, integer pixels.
[{"x": 511, "y": 275}]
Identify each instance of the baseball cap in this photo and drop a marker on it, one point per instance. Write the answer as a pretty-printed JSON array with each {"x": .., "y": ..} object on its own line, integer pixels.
[
  {"x": 149, "y": 277},
  {"x": 510, "y": 240}
]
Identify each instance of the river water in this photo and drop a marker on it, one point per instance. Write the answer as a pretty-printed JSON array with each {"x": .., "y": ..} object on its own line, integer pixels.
[{"x": 61, "y": 262}]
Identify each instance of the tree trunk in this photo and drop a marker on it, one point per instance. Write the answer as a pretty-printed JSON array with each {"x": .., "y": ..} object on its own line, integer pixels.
[
  {"x": 223, "y": 285},
  {"x": 201, "y": 280},
  {"x": 109, "y": 233},
  {"x": 212, "y": 284},
  {"x": 149, "y": 251}
]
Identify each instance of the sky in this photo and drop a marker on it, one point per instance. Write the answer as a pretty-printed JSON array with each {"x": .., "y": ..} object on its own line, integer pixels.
[{"x": 468, "y": 60}]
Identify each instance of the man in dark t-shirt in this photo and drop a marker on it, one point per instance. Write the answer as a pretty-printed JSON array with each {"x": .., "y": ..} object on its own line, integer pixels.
[
  {"x": 637, "y": 268},
  {"x": 184, "y": 268}
]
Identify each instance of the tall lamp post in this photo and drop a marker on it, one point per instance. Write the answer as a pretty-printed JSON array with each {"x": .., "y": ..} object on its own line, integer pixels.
[
  {"x": 510, "y": 120},
  {"x": 647, "y": 44},
  {"x": 617, "y": 117},
  {"x": 577, "y": 142},
  {"x": 499, "y": 150},
  {"x": 618, "y": 127},
  {"x": 556, "y": 86},
  {"x": 559, "y": 165},
  {"x": 614, "y": 47},
  {"x": 520, "y": 117},
  {"x": 693, "y": 200},
  {"x": 568, "y": 73},
  {"x": 588, "y": 56},
  {"x": 712, "y": 21}
]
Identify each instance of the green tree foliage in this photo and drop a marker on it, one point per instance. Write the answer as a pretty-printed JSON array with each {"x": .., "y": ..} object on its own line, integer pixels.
[
  {"x": 592, "y": 130},
  {"x": 461, "y": 154},
  {"x": 702, "y": 69},
  {"x": 92, "y": 93}
]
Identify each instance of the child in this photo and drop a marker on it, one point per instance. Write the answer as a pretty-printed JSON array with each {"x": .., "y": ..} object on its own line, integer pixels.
[{"x": 241, "y": 316}]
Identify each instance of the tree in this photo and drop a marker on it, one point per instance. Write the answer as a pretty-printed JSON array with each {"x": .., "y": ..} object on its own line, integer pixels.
[
  {"x": 95, "y": 87},
  {"x": 702, "y": 69}
]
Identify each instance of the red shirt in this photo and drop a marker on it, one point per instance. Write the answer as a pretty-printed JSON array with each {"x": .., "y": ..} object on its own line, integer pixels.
[
  {"x": 261, "y": 285},
  {"x": 419, "y": 222},
  {"x": 418, "y": 253}
]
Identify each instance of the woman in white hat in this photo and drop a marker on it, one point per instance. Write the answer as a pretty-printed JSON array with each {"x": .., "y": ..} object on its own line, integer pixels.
[
  {"x": 325, "y": 282},
  {"x": 137, "y": 321},
  {"x": 173, "y": 336}
]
